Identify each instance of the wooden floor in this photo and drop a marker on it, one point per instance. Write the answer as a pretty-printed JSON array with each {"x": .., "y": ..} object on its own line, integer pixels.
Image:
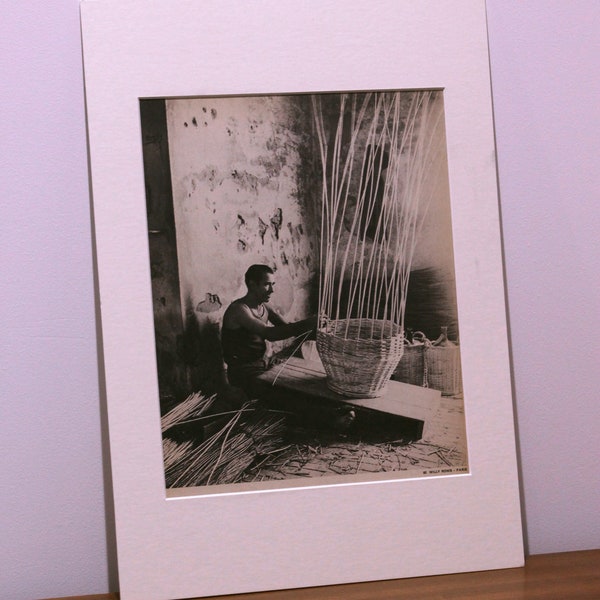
[{"x": 564, "y": 576}]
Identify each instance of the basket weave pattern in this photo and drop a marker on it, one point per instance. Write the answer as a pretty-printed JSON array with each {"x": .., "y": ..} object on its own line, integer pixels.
[
  {"x": 443, "y": 369},
  {"x": 411, "y": 368},
  {"x": 360, "y": 355}
]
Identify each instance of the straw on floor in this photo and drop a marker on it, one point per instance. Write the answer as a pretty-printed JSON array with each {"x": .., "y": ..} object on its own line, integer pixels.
[{"x": 243, "y": 437}]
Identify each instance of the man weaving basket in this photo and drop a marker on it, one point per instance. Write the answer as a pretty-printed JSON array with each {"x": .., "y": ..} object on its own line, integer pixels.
[{"x": 248, "y": 323}]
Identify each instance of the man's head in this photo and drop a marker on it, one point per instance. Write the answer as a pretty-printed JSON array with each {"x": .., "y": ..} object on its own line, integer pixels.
[{"x": 260, "y": 281}]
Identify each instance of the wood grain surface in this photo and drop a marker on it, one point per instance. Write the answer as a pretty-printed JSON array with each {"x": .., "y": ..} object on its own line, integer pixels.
[{"x": 564, "y": 576}]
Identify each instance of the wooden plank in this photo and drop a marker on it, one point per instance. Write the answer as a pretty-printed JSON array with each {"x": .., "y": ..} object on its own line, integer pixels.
[
  {"x": 400, "y": 399},
  {"x": 562, "y": 575}
]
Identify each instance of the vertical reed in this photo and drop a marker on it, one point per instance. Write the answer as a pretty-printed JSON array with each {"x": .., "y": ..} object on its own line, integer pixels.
[{"x": 380, "y": 155}]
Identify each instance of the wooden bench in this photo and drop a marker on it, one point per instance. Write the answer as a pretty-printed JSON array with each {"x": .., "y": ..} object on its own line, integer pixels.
[{"x": 414, "y": 405}]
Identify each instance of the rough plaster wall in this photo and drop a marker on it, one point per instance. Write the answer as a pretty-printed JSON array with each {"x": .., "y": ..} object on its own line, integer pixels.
[{"x": 236, "y": 166}]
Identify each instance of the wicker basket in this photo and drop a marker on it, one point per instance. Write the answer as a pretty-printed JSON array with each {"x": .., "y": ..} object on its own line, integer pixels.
[
  {"x": 360, "y": 355},
  {"x": 411, "y": 368},
  {"x": 443, "y": 369}
]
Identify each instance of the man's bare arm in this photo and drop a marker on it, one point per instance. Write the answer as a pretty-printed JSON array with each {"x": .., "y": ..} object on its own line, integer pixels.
[
  {"x": 275, "y": 317},
  {"x": 242, "y": 317}
]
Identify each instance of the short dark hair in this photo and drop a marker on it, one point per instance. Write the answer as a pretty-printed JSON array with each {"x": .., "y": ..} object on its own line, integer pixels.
[{"x": 256, "y": 272}]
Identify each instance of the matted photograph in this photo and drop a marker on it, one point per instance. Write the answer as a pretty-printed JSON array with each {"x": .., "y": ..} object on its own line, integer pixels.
[
  {"x": 303, "y": 287},
  {"x": 303, "y": 346}
]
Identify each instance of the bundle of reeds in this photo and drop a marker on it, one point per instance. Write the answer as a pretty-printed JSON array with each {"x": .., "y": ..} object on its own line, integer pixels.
[
  {"x": 174, "y": 452},
  {"x": 243, "y": 436},
  {"x": 380, "y": 156},
  {"x": 192, "y": 407}
]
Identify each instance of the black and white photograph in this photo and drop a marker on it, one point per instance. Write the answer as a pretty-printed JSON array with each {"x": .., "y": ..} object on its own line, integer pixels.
[
  {"x": 303, "y": 288},
  {"x": 300, "y": 293}
]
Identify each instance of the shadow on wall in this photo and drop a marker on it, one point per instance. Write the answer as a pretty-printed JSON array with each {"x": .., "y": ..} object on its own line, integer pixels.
[
  {"x": 431, "y": 303},
  {"x": 200, "y": 351}
]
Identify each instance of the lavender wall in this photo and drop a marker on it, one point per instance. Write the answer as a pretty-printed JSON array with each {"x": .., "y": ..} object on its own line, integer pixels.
[
  {"x": 56, "y": 535},
  {"x": 545, "y": 57}
]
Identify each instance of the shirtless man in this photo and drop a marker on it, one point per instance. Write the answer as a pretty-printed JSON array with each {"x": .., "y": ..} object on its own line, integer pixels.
[{"x": 248, "y": 322}]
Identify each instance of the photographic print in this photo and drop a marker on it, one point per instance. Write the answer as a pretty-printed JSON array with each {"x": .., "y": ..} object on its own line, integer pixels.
[
  {"x": 300, "y": 281},
  {"x": 303, "y": 288}
]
